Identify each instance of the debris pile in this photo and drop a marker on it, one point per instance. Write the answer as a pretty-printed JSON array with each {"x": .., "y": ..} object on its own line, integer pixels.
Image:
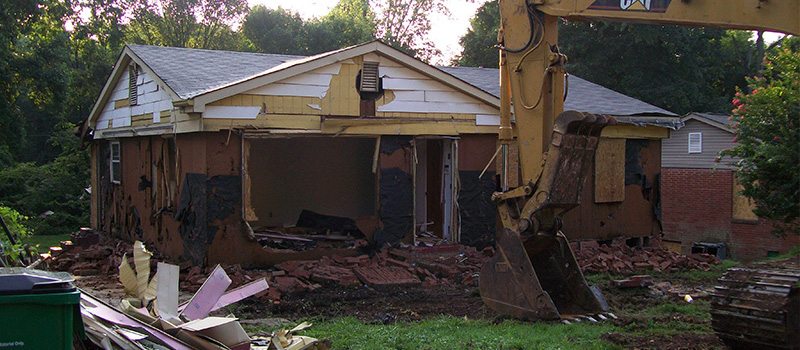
[
  {"x": 312, "y": 231},
  {"x": 151, "y": 317},
  {"x": 621, "y": 259},
  {"x": 389, "y": 268}
]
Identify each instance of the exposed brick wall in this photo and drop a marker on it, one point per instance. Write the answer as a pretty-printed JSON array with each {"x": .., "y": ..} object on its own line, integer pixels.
[
  {"x": 696, "y": 205},
  {"x": 754, "y": 240}
]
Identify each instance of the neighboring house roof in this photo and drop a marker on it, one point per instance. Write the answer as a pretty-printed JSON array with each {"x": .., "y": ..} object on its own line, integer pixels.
[
  {"x": 583, "y": 95},
  {"x": 720, "y": 121}
]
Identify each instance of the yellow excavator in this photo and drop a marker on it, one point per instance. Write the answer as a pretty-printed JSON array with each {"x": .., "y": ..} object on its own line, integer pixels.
[{"x": 534, "y": 274}]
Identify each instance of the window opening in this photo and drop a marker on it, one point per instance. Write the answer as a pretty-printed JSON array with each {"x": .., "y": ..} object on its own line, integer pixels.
[
  {"x": 695, "y": 142},
  {"x": 116, "y": 164}
]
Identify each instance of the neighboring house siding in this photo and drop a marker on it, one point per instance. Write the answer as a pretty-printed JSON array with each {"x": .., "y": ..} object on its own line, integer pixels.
[
  {"x": 676, "y": 148},
  {"x": 152, "y": 104}
]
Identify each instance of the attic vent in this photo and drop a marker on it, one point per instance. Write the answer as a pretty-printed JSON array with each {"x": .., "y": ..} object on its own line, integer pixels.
[
  {"x": 133, "y": 90},
  {"x": 370, "y": 82}
]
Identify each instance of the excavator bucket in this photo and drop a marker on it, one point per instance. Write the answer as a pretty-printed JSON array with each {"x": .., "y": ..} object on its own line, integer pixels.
[
  {"x": 534, "y": 274},
  {"x": 536, "y": 280}
]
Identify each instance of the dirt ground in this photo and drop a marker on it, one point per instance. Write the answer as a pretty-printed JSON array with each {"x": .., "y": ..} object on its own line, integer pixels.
[
  {"x": 636, "y": 327},
  {"x": 418, "y": 303}
]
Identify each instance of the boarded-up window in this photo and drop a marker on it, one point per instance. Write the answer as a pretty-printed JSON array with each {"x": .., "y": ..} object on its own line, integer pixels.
[
  {"x": 116, "y": 164},
  {"x": 742, "y": 206},
  {"x": 695, "y": 142},
  {"x": 609, "y": 171},
  {"x": 133, "y": 87}
]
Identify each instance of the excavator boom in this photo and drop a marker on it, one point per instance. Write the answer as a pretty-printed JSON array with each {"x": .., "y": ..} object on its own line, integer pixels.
[
  {"x": 767, "y": 15},
  {"x": 533, "y": 274}
]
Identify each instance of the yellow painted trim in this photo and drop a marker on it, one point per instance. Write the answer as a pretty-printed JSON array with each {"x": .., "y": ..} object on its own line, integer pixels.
[
  {"x": 122, "y": 103},
  {"x": 269, "y": 121},
  {"x": 635, "y": 132},
  {"x": 393, "y": 127},
  {"x": 141, "y": 119}
]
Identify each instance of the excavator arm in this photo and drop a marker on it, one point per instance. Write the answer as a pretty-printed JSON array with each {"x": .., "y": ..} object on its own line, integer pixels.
[{"x": 534, "y": 273}]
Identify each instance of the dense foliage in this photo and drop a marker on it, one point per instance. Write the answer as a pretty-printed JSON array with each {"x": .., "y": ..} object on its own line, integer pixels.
[
  {"x": 17, "y": 224},
  {"x": 767, "y": 120}
]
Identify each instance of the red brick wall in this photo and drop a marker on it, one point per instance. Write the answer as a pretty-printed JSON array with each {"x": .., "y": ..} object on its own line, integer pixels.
[
  {"x": 696, "y": 205},
  {"x": 753, "y": 240}
]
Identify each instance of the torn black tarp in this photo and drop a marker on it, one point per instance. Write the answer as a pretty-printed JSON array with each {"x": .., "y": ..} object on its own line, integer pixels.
[
  {"x": 203, "y": 205},
  {"x": 478, "y": 213},
  {"x": 397, "y": 206},
  {"x": 661, "y": 121}
]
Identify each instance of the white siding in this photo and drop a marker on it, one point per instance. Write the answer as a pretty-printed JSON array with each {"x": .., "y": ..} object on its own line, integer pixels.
[
  {"x": 417, "y": 93},
  {"x": 312, "y": 84},
  {"x": 152, "y": 99},
  {"x": 675, "y": 150}
]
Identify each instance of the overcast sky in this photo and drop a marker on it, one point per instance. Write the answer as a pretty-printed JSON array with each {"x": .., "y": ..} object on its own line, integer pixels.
[{"x": 445, "y": 32}]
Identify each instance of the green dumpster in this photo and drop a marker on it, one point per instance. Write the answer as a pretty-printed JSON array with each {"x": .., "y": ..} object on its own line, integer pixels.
[{"x": 38, "y": 310}]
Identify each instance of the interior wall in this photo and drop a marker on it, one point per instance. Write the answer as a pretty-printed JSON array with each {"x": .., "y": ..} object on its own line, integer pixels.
[{"x": 327, "y": 175}]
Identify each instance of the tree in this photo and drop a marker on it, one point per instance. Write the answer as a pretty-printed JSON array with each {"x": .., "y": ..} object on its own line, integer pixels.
[
  {"x": 405, "y": 24},
  {"x": 680, "y": 69},
  {"x": 280, "y": 31},
  {"x": 479, "y": 42},
  {"x": 15, "y": 17},
  {"x": 275, "y": 31},
  {"x": 767, "y": 123},
  {"x": 41, "y": 80},
  {"x": 350, "y": 22},
  {"x": 188, "y": 23}
]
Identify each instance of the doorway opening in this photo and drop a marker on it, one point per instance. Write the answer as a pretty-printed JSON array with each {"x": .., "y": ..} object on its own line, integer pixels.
[{"x": 434, "y": 189}]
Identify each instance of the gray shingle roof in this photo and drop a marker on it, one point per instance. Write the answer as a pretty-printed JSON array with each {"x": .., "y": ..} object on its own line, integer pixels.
[
  {"x": 192, "y": 72},
  {"x": 583, "y": 95},
  {"x": 722, "y": 119}
]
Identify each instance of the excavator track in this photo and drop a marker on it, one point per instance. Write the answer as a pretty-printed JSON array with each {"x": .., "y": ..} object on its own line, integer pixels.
[{"x": 758, "y": 308}]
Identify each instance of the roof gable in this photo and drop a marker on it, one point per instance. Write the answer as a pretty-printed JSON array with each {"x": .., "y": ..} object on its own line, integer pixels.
[
  {"x": 719, "y": 121},
  {"x": 292, "y": 68}
]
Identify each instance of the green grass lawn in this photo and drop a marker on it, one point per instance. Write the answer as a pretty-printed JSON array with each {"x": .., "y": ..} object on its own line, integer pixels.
[
  {"x": 46, "y": 241},
  {"x": 447, "y": 332},
  {"x": 659, "y": 320}
]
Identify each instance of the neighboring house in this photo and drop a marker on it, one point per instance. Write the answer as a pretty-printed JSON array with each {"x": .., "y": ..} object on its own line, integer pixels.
[
  {"x": 195, "y": 150},
  {"x": 700, "y": 195}
]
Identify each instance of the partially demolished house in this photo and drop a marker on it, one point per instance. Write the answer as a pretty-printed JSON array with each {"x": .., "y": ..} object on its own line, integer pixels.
[{"x": 249, "y": 158}]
